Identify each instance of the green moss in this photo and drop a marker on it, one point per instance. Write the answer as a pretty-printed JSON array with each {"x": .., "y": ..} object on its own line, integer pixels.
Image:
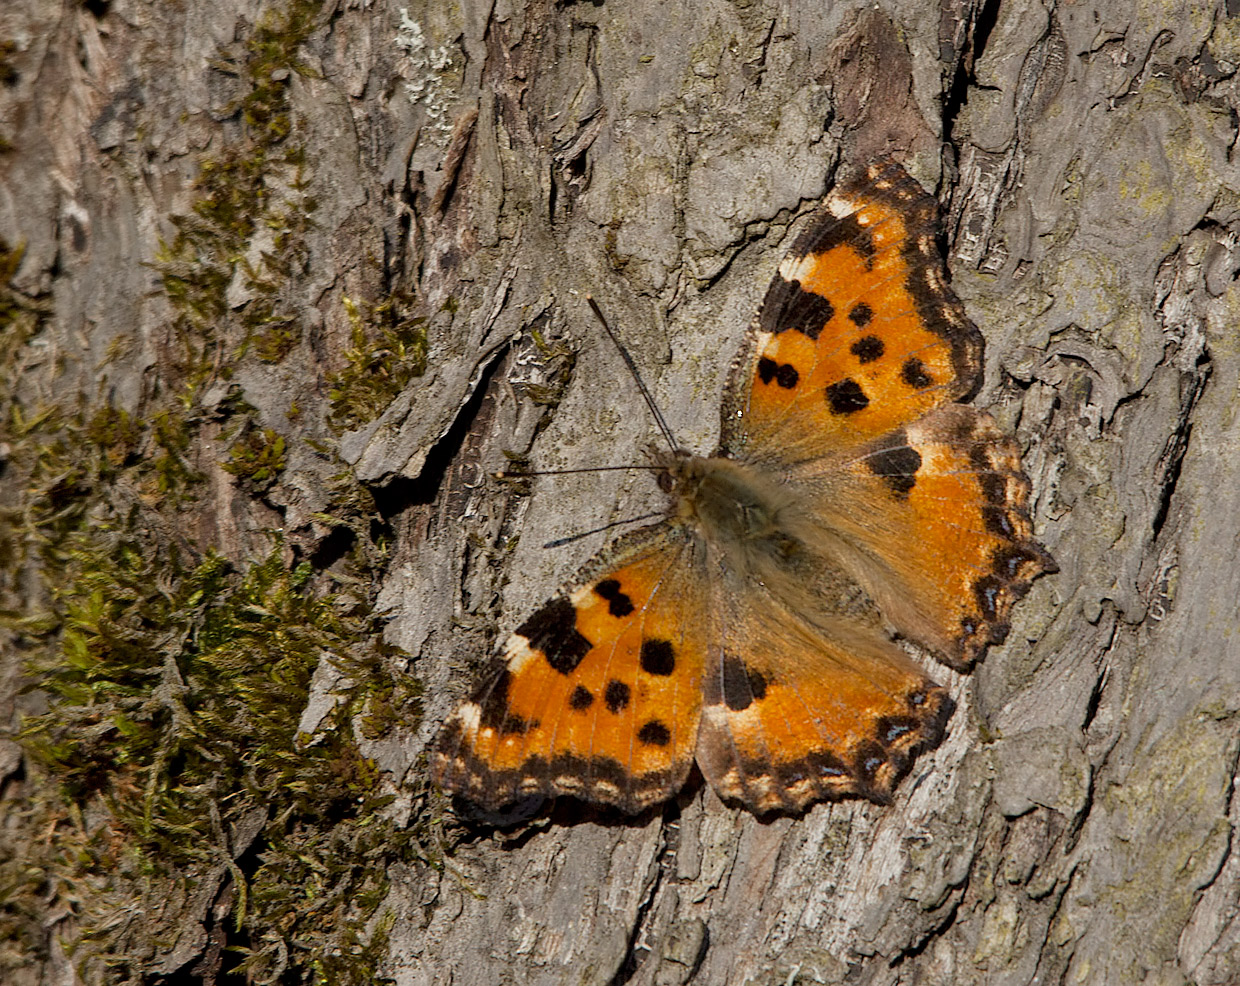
[
  {"x": 175, "y": 695},
  {"x": 257, "y": 459},
  {"x": 388, "y": 350},
  {"x": 259, "y": 181},
  {"x": 116, "y": 434},
  {"x": 171, "y": 436}
]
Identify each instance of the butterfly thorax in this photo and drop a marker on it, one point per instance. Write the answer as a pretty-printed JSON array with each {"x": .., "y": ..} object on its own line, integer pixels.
[
  {"x": 754, "y": 529},
  {"x": 736, "y": 509}
]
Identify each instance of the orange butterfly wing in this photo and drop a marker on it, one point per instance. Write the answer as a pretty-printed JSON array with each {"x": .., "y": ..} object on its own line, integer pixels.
[
  {"x": 858, "y": 333},
  {"x": 665, "y": 654},
  {"x": 954, "y": 549},
  {"x": 596, "y": 695},
  {"x": 797, "y": 711}
]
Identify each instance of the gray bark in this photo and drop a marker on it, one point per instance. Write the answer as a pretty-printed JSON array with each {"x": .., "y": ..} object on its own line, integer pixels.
[{"x": 1077, "y": 824}]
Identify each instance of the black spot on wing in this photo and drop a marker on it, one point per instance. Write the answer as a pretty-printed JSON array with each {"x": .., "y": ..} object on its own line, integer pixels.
[
  {"x": 861, "y": 314},
  {"x": 784, "y": 374},
  {"x": 553, "y": 630},
  {"x": 805, "y": 311},
  {"x": 654, "y": 733},
  {"x": 789, "y": 306},
  {"x": 867, "y": 349},
  {"x": 846, "y": 397},
  {"x": 581, "y": 699},
  {"x": 658, "y": 657},
  {"x": 616, "y": 696},
  {"x": 897, "y": 464},
  {"x": 914, "y": 373},
  {"x": 618, "y": 604},
  {"x": 742, "y": 685}
]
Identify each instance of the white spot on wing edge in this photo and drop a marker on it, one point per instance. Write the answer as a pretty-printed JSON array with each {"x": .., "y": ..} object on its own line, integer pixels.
[
  {"x": 469, "y": 715},
  {"x": 797, "y": 268},
  {"x": 606, "y": 787},
  {"x": 583, "y": 597},
  {"x": 840, "y": 206},
  {"x": 517, "y": 652}
]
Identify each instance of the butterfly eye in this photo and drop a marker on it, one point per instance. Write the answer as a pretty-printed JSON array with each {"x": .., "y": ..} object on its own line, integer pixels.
[{"x": 666, "y": 482}]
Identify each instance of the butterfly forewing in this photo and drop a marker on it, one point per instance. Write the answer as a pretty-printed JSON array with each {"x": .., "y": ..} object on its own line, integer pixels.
[
  {"x": 596, "y": 695},
  {"x": 858, "y": 333}
]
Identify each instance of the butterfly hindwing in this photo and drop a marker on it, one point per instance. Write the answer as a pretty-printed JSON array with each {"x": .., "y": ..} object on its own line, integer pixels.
[
  {"x": 954, "y": 543},
  {"x": 596, "y": 695},
  {"x": 792, "y": 714}
]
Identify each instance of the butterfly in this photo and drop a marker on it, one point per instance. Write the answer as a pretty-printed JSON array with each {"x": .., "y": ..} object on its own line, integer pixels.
[{"x": 755, "y": 629}]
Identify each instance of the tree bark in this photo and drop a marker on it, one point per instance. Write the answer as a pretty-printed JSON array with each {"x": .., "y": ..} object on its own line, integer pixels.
[{"x": 501, "y": 161}]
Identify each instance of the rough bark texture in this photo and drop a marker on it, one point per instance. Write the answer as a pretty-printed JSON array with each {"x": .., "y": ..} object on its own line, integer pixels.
[{"x": 1077, "y": 825}]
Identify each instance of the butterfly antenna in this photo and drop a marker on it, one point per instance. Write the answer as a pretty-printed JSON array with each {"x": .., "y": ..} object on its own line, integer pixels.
[
  {"x": 526, "y": 473},
  {"x": 637, "y": 377},
  {"x": 560, "y": 542}
]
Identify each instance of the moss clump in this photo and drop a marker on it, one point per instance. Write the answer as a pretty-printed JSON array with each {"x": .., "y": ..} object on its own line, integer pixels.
[
  {"x": 175, "y": 692},
  {"x": 259, "y": 182},
  {"x": 116, "y": 434},
  {"x": 388, "y": 350},
  {"x": 257, "y": 459}
]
